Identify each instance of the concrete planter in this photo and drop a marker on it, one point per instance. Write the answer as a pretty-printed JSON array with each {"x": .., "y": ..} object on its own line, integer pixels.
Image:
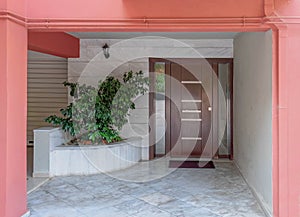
[{"x": 51, "y": 158}]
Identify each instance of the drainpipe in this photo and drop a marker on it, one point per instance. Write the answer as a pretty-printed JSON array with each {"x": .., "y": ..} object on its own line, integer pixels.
[{"x": 143, "y": 22}]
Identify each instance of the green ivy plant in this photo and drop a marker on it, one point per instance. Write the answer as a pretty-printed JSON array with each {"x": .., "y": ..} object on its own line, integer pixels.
[{"x": 97, "y": 114}]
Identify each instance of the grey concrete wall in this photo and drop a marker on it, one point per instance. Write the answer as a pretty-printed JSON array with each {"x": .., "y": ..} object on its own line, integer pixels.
[{"x": 253, "y": 112}]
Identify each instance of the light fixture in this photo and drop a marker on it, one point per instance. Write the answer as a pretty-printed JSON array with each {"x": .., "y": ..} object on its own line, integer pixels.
[{"x": 106, "y": 50}]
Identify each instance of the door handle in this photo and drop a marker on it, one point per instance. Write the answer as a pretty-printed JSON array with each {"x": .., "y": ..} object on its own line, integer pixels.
[{"x": 209, "y": 108}]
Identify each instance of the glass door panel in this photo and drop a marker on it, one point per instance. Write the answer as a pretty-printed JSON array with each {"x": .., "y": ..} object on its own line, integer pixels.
[
  {"x": 160, "y": 128},
  {"x": 224, "y": 114}
]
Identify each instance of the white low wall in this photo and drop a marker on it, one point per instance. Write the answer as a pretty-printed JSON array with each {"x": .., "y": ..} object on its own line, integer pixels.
[{"x": 54, "y": 159}]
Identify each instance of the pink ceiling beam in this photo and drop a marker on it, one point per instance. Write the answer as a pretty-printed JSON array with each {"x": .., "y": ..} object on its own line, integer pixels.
[{"x": 55, "y": 43}]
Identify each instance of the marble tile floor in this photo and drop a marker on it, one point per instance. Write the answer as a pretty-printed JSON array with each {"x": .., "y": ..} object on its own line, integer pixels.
[
  {"x": 219, "y": 192},
  {"x": 32, "y": 183}
]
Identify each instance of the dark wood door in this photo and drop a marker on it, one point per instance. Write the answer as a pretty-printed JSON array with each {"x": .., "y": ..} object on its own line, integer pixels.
[{"x": 190, "y": 109}]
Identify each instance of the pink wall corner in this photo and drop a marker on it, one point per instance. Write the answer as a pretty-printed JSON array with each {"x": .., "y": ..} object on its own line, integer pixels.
[
  {"x": 293, "y": 120},
  {"x": 282, "y": 161},
  {"x": 13, "y": 99},
  {"x": 286, "y": 176},
  {"x": 3, "y": 111},
  {"x": 286, "y": 122},
  {"x": 275, "y": 122}
]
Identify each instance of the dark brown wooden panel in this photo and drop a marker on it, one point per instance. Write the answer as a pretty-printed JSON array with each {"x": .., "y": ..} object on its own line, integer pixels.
[{"x": 192, "y": 79}]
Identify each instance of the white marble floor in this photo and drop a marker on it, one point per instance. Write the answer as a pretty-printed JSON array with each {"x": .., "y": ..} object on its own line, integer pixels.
[
  {"x": 219, "y": 192},
  {"x": 32, "y": 183}
]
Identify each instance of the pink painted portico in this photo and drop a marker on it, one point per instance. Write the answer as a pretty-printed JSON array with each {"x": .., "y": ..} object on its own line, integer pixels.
[{"x": 41, "y": 26}]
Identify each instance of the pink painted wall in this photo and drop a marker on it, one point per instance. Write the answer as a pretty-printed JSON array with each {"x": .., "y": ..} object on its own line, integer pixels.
[
  {"x": 289, "y": 122},
  {"x": 145, "y": 8},
  {"x": 287, "y": 7},
  {"x": 3, "y": 4},
  {"x": 3, "y": 112},
  {"x": 135, "y": 15},
  {"x": 286, "y": 116},
  {"x": 275, "y": 121},
  {"x": 16, "y": 6},
  {"x": 286, "y": 88},
  {"x": 13, "y": 95},
  {"x": 13, "y": 84}
]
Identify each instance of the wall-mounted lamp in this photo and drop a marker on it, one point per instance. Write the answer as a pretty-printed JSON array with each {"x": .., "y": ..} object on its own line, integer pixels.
[{"x": 106, "y": 50}]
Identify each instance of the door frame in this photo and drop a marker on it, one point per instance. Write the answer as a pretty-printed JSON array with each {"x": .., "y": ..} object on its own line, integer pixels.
[{"x": 152, "y": 123}]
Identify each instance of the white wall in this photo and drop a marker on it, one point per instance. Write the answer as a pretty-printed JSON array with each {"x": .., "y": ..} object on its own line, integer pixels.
[{"x": 253, "y": 112}]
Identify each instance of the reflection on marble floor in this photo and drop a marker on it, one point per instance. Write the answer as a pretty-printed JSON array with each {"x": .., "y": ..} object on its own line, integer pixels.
[{"x": 219, "y": 192}]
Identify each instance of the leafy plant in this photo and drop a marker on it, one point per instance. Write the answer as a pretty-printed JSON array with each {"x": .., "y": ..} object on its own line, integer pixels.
[
  {"x": 160, "y": 77},
  {"x": 98, "y": 114},
  {"x": 160, "y": 83}
]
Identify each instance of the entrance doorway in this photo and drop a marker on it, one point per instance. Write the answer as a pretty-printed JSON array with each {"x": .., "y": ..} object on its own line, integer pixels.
[{"x": 185, "y": 103}]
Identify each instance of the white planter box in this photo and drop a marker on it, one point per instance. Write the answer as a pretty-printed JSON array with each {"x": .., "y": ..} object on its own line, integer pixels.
[{"x": 51, "y": 158}]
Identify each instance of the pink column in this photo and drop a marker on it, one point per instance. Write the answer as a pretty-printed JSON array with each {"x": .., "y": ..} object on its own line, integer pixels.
[
  {"x": 13, "y": 96},
  {"x": 288, "y": 166}
]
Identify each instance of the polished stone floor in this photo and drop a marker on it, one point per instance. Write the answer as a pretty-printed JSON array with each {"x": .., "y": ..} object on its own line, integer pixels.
[
  {"x": 219, "y": 192},
  {"x": 32, "y": 183}
]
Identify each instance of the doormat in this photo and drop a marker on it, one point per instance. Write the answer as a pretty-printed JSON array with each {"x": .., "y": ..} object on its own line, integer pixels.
[{"x": 191, "y": 164}]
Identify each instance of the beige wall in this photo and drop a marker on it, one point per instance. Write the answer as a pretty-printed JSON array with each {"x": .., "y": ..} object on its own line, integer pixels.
[
  {"x": 46, "y": 93},
  {"x": 253, "y": 112}
]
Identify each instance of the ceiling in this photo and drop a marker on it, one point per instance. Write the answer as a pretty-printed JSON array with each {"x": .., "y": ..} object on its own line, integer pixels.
[{"x": 175, "y": 35}]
